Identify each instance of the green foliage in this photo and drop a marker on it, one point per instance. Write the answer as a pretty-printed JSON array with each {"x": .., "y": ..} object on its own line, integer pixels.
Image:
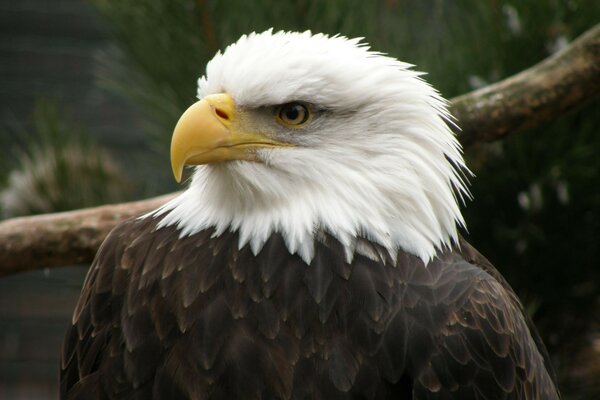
[
  {"x": 59, "y": 169},
  {"x": 536, "y": 212}
]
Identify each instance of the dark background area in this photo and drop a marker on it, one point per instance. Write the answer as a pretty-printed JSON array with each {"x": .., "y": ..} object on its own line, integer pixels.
[
  {"x": 110, "y": 78},
  {"x": 47, "y": 51}
]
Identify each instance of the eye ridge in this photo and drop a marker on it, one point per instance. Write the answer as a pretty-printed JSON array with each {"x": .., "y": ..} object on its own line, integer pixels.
[{"x": 294, "y": 113}]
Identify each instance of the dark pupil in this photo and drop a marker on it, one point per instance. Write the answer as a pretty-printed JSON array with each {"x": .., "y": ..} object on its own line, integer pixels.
[{"x": 292, "y": 113}]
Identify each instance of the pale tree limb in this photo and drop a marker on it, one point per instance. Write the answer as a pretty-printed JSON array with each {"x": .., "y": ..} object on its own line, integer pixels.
[
  {"x": 534, "y": 96},
  {"x": 539, "y": 94},
  {"x": 54, "y": 240}
]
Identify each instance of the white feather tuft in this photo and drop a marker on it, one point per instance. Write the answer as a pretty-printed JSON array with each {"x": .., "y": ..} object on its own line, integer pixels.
[{"x": 384, "y": 165}]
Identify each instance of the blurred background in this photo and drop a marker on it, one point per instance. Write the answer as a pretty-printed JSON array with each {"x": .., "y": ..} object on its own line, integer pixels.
[{"x": 90, "y": 91}]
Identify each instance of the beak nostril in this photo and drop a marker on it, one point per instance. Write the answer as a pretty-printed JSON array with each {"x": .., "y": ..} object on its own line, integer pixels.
[{"x": 221, "y": 113}]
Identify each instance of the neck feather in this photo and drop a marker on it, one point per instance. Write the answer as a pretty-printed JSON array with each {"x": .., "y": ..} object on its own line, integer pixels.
[{"x": 385, "y": 202}]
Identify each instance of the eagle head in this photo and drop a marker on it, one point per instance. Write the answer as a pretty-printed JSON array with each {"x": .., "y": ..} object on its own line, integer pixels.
[{"x": 302, "y": 134}]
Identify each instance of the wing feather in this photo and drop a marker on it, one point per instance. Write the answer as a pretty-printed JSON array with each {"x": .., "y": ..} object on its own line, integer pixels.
[
  {"x": 163, "y": 316},
  {"x": 485, "y": 350}
]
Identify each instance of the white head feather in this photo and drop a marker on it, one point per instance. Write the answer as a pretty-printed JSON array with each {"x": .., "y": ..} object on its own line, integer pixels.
[{"x": 381, "y": 163}]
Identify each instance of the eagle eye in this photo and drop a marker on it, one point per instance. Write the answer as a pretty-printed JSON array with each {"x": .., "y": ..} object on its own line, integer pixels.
[{"x": 293, "y": 114}]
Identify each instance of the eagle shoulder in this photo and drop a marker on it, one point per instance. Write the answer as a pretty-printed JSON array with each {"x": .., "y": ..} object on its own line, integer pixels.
[
  {"x": 98, "y": 350},
  {"x": 487, "y": 346}
]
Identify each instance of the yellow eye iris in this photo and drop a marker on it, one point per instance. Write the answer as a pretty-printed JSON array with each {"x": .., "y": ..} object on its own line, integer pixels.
[{"x": 293, "y": 114}]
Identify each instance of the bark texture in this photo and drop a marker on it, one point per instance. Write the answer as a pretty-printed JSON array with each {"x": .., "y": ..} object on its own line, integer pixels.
[
  {"x": 539, "y": 94},
  {"x": 54, "y": 240}
]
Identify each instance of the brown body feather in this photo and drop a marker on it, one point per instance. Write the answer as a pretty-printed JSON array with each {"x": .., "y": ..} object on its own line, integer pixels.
[{"x": 163, "y": 317}]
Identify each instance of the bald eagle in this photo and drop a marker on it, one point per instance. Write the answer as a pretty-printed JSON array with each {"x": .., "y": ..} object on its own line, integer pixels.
[{"x": 315, "y": 253}]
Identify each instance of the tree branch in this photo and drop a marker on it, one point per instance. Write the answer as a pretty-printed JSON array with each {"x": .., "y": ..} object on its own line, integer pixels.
[
  {"x": 537, "y": 95},
  {"x": 54, "y": 240}
]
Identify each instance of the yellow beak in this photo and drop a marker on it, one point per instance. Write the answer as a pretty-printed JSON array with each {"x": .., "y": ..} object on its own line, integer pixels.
[{"x": 209, "y": 132}]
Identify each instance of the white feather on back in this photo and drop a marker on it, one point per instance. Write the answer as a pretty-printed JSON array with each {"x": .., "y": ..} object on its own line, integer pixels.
[{"x": 382, "y": 165}]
